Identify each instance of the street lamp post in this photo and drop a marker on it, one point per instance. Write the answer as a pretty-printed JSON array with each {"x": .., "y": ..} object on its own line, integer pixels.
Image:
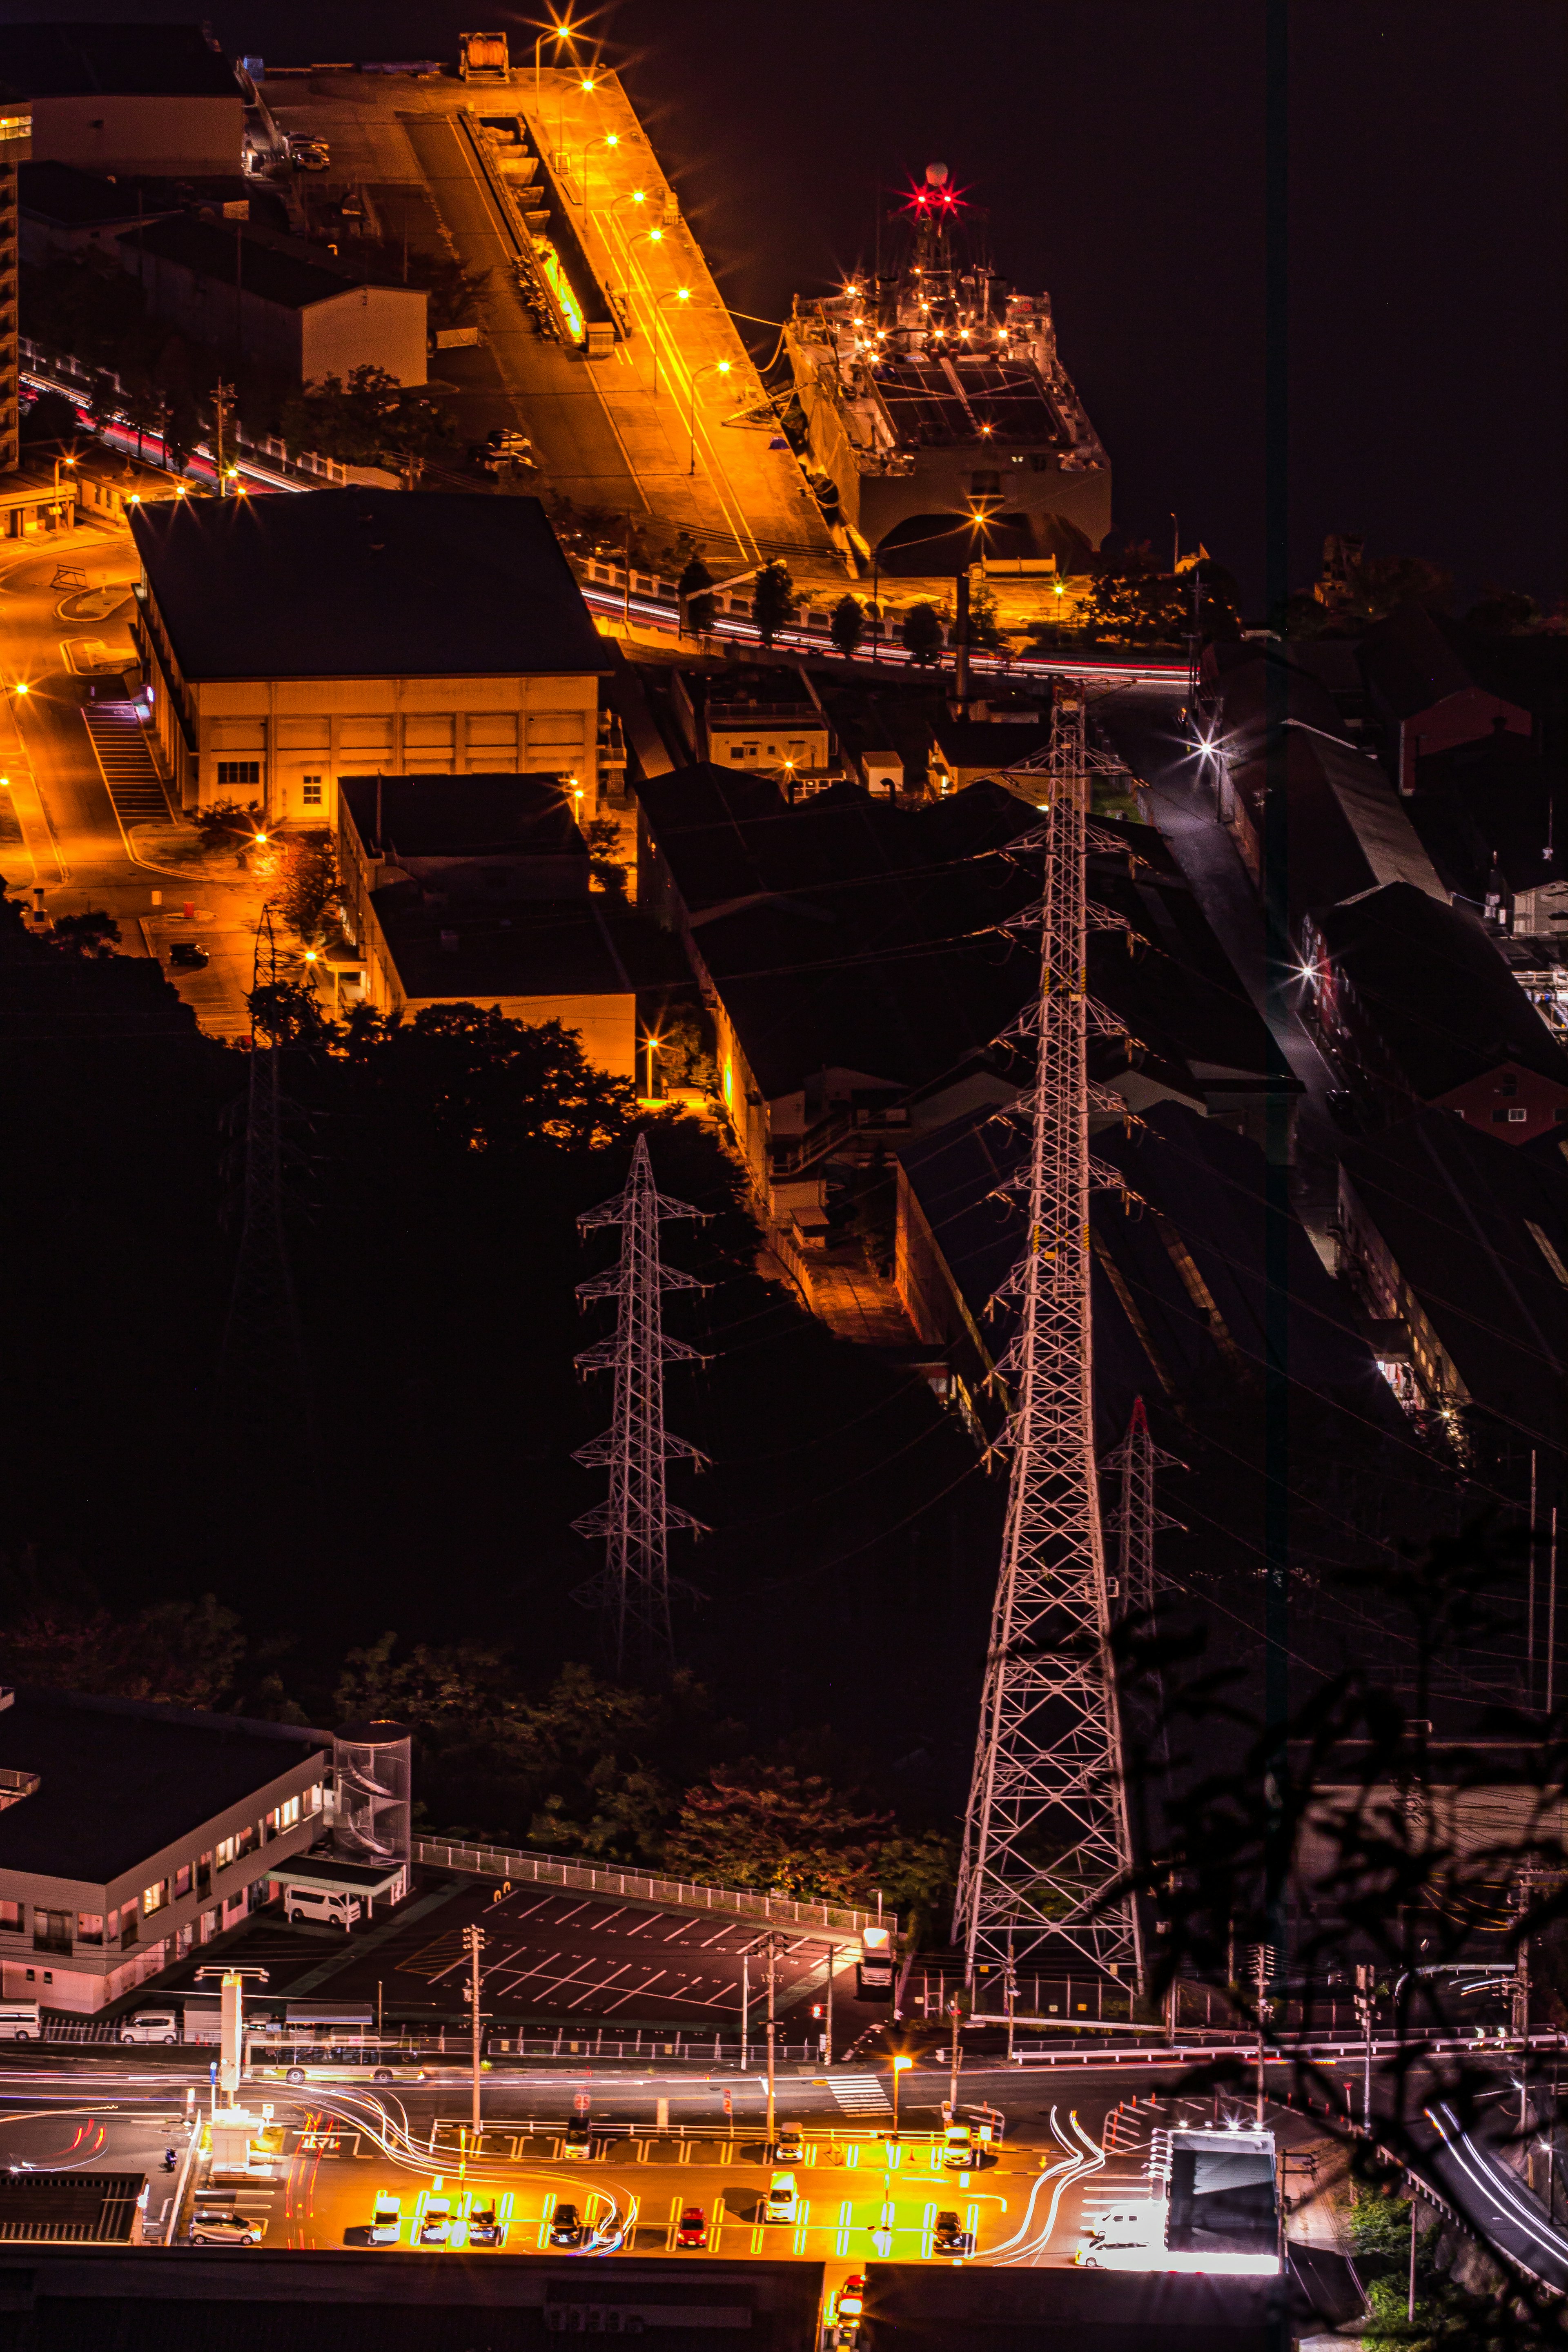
[
  {"x": 605, "y": 139},
  {"x": 956, "y": 2060},
  {"x": 900, "y": 2066},
  {"x": 724, "y": 368},
  {"x": 676, "y": 294},
  {"x": 653, "y": 236},
  {"x": 474, "y": 1938}
]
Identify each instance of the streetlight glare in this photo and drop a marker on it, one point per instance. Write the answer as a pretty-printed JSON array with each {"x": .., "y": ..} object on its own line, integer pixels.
[{"x": 21, "y": 686}]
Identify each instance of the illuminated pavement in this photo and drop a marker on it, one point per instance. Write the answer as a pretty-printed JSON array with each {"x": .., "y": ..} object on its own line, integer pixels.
[{"x": 624, "y": 431}]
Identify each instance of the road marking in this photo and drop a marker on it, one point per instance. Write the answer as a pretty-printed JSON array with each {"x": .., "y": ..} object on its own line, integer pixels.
[{"x": 860, "y": 2095}]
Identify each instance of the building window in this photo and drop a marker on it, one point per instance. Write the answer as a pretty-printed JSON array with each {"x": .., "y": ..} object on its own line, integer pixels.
[
  {"x": 52, "y": 1931},
  {"x": 239, "y": 771},
  {"x": 11, "y": 1918},
  {"x": 154, "y": 1897},
  {"x": 311, "y": 792},
  {"x": 127, "y": 1916},
  {"x": 224, "y": 1852},
  {"x": 182, "y": 1880},
  {"x": 313, "y": 1798},
  {"x": 286, "y": 1814},
  {"x": 89, "y": 1926},
  {"x": 986, "y": 483}
]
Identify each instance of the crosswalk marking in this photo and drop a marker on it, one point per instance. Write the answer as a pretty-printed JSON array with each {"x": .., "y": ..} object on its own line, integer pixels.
[{"x": 860, "y": 2095}]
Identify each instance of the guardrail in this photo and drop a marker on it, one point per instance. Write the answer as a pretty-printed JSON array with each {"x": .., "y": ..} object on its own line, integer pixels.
[{"x": 679, "y": 1893}]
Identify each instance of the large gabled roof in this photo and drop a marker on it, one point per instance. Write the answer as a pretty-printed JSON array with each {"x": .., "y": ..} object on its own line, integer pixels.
[
  {"x": 365, "y": 583},
  {"x": 281, "y": 270},
  {"x": 1432, "y": 984}
]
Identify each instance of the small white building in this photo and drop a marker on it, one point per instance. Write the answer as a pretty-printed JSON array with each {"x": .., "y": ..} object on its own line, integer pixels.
[{"x": 275, "y": 302}]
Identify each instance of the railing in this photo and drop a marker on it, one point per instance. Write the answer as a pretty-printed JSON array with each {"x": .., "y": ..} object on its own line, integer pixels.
[{"x": 681, "y": 1894}]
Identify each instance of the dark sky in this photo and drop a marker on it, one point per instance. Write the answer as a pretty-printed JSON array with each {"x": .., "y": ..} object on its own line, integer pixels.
[{"x": 1120, "y": 147}]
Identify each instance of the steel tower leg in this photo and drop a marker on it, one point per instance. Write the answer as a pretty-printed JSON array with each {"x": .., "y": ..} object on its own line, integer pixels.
[{"x": 1046, "y": 1842}]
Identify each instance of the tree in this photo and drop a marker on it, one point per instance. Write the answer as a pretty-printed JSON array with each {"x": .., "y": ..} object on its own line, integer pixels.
[
  {"x": 309, "y": 886},
  {"x": 847, "y": 624},
  {"x": 773, "y": 599},
  {"x": 460, "y": 1075},
  {"x": 94, "y": 933},
  {"x": 920, "y": 633},
  {"x": 699, "y": 607},
  {"x": 772, "y": 1827},
  {"x": 52, "y": 418},
  {"x": 370, "y": 420},
  {"x": 985, "y": 626},
  {"x": 606, "y": 855},
  {"x": 177, "y": 1652},
  {"x": 228, "y": 824}
]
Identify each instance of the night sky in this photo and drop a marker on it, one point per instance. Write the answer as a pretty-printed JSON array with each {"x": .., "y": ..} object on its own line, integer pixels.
[{"x": 1119, "y": 146}]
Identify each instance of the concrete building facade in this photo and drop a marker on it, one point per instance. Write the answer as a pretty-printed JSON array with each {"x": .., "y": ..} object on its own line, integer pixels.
[{"x": 158, "y": 100}]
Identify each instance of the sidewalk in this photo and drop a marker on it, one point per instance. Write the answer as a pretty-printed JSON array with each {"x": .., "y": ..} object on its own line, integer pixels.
[{"x": 28, "y": 850}]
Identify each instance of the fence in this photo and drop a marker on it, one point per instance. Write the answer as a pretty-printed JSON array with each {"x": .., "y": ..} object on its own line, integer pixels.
[{"x": 679, "y": 1893}]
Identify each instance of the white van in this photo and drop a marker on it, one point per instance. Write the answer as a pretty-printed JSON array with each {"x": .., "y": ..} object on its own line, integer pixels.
[
  {"x": 20, "y": 2021},
  {"x": 150, "y": 2025},
  {"x": 319, "y": 1904}
]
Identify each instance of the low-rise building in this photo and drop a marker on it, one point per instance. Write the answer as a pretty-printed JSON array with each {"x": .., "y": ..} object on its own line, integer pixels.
[
  {"x": 475, "y": 890},
  {"x": 128, "y": 98},
  {"x": 1427, "y": 695},
  {"x": 275, "y": 303},
  {"x": 66, "y": 210},
  {"x": 765, "y": 718},
  {"x": 1420, "y": 1007},
  {"x": 130, "y": 1833},
  {"x": 291, "y": 641}
]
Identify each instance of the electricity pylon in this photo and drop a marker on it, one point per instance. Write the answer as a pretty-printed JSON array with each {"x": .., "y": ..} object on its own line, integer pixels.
[
  {"x": 1047, "y": 1841},
  {"x": 636, "y": 1517},
  {"x": 1135, "y": 1522},
  {"x": 262, "y": 1386}
]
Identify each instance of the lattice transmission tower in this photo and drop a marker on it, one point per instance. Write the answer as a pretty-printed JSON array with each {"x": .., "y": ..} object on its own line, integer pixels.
[
  {"x": 1046, "y": 1842},
  {"x": 1135, "y": 1522},
  {"x": 262, "y": 1387},
  {"x": 631, "y": 1590}
]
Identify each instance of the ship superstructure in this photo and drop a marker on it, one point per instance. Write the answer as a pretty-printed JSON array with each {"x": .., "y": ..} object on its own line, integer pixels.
[{"x": 933, "y": 390}]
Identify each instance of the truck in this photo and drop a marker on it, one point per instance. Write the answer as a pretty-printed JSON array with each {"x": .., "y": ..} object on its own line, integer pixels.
[
  {"x": 874, "y": 1969},
  {"x": 1212, "y": 2205}
]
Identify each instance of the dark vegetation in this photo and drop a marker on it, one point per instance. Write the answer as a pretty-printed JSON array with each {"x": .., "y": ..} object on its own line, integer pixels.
[{"x": 419, "y": 1554}]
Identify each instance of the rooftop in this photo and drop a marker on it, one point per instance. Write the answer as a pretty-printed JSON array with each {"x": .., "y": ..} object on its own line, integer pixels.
[
  {"x": 72, "y": 199},
  {"x": 122, "y": 1779},
  {"x": 366, "y": 583},
  {"x": 133, "y": 60},
  {"x": 563, "y": 947},
  {"x": 271, "y": 268},
  {"x": 474, "y": 816},
  {"x": 1429, "y": 980},
  {"x": 1410, "y": 664}
]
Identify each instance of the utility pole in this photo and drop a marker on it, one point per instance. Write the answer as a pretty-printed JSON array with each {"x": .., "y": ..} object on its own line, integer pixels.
[
  {"x": 631, "y": 1590},
  {"x": 1048, "y": 1777},
  {"x": 223, "y": 401},
  {"x": 474, "y": 1944},
  {"x": 1364, "y": 1982},
  {"x": 956, "y": 2008},
  {"x": 745, "y": 2006},
  {"x": 1262, "y": 1963},
  {"x": 828, "y": 2015}
]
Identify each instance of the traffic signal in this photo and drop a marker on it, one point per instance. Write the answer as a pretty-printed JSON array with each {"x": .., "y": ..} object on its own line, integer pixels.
[{"x": 816, "y": 2009}]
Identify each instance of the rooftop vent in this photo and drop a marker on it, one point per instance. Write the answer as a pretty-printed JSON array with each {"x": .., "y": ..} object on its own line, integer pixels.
[{"x": 14, "y": 1785}]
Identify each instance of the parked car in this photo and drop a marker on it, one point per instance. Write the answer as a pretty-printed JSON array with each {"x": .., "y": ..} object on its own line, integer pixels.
[
  {"x": 387, "y": 2224},
  {"x": 1342, "y": 1110},
  {"x": 150, "y": 2025},
  {"x": 224, "y": 2229},
  {"x": 851, "y": 2300},
  {"x": 957, "y": 2148},
  {"x": 189, "y": 955},
  {"x": 309, "y": 154},
  {"x": 566, "y": 2227},
  {"x": 782, "y": 2200},
  {"x": 789, "y": 2147},
  {"x": 577, "y": 2139},
  {"x": 485, "y": 2227},
  {"x": 949, "y": 2235},
  {"x": 20, "y": 2021},
  {"x": 691, "y": 2230},
  {"x": 436, "y": 2222}
]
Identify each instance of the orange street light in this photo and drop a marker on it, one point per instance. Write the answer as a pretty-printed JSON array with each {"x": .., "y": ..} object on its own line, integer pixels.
[
  {"x": 676, "y": 294},
  {"x": 721, "y": 367},
  {"x": 900, "y": 2066}
]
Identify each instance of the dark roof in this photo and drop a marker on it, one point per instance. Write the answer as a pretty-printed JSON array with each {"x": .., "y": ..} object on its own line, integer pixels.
[
  {"x": 451, "y": 816},
  {"x": 563, "y": 947},
  {"x": 365, "y": 583},
  {"x": 73, "y": 199},
  {"x": 1454, "y": 1208},
  {"x": 1490, "y": 805},
  {"x": 121, "y": 1779},
  {"x": 1203, "y": 1190},
  {"x": 271, "y": 268},
  {"x": 1431, "y": 986},
  {"x": 995, "y": 744},
  {"x": 135, "y": 61},
  {"x": 67, "y": 2208},
  {"x": 1410, "y": 664},
  {"x": 731, "y": 692}
]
